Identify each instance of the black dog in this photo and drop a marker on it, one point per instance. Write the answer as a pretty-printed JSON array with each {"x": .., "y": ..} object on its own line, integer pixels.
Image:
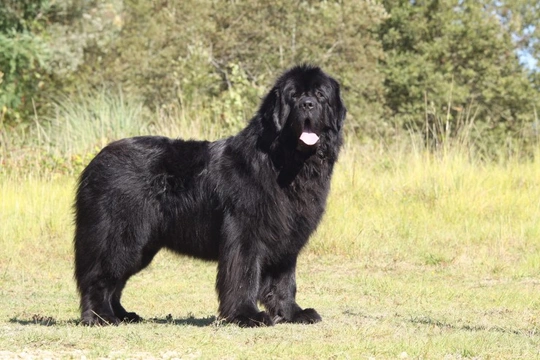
[{"x": 250, "y": 202}]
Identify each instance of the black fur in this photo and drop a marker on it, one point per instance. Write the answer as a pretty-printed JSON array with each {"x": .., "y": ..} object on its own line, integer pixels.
[{"x": 250, "y": 202}]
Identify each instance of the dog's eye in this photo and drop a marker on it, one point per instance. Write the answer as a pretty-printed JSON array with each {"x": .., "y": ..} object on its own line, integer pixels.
[
  {"x": 294, "y": 95},
  {"x": 319, "y": 94}
]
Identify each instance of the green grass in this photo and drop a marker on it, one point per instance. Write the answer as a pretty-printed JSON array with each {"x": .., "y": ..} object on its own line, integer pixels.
[{"x": 419, "y": 255}]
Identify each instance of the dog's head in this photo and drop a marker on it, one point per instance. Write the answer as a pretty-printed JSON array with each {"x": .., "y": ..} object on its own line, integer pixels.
[{"x": 303, "y": 105}]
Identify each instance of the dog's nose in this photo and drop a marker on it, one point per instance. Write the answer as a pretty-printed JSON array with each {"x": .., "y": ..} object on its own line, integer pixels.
[{"x": 308, "y": 104}]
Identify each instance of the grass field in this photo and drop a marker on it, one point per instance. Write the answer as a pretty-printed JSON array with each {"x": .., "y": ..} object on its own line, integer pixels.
[{"x": 419, "y": 256}]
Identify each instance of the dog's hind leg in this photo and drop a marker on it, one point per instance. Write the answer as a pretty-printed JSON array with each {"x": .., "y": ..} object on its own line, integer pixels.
[
  {"x": 95, "y": 283},
  {"x": 96, "y": 306},
  {"x": 119, "y": 311},
  {"x": 117, "y": 307}
]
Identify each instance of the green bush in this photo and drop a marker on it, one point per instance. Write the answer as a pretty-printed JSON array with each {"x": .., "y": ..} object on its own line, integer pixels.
[
  {"x": 43, "y": 46},
  {"x": 211, "y": 53},
  {"x": 453, "y": 65},
  {"x": 446, "y": 69},
  {"x": 23, "y": 58}
]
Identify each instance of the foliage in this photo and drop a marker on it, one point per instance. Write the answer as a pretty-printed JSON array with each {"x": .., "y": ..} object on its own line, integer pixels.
[
  {"x": 225, "y": 54},
  {"x": 42, "y": 47},
  {"x": 267, "y": 37},
  {"x": 23, "y": 57},
  {"x": 519, "y": 17},
  {"x": 452, "y": 63},
  {"x": 445, "y": 67}
]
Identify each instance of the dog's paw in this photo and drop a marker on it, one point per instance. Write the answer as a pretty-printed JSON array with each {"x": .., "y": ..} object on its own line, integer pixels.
[
  {"x": 306, "y": 316},
  {"x": 255, "y": 320},
  {"x": 131, "y": 317},
  {"x": 100, "y": 320}
]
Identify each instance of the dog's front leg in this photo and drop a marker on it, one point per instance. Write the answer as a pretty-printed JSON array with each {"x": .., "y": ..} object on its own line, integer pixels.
[
  {"x": 238, "y": 282},
  {"x": 278, "y": 294}
]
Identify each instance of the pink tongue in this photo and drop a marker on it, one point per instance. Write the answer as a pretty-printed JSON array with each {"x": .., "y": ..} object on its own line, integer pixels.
[{"x": 309, "y": 138}]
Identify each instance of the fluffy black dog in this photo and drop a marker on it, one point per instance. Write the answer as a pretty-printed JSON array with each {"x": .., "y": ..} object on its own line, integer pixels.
[{"x": 250, "y": 202}]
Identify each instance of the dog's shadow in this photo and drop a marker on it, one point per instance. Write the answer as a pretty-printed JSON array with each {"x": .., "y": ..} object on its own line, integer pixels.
[
  {"x": 39, "y": 320},
  {"x": 187, "y": 321}
]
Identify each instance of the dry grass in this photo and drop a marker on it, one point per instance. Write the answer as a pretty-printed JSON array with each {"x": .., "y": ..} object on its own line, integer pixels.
[{"x": 419, "y": 255}]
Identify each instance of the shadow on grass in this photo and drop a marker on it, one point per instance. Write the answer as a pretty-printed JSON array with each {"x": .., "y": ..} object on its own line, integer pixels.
[
  {"x": 41, "y": 320},
  {"x": 440, "y": 324},
  {"x": 428, "y": 321},
  {"x": 188, "y": 321},
  {"x": 50, "y": 321}
]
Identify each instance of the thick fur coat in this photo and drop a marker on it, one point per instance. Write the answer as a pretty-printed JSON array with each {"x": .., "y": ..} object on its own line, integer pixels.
[{"x": 249, "y": 202}]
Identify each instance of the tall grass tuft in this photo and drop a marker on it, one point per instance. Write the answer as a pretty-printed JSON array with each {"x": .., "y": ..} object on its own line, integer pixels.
[{"x": 86, "y": 122}]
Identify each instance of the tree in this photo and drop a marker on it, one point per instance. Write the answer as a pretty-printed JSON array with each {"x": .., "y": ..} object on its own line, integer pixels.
[
  {"x": 520, "y": 18},
  {"x": 43, "y": 45},
  {"x": 267, "y": 37},
  {"x": 450, "y": 63},
  {"x": 211, "y": 51},
  {"x": 23, "y": 56}
]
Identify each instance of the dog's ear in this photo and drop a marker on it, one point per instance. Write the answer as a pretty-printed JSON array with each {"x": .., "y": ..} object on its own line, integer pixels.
[
  {"x": 275, "y": 109},
  {"x": 341, "y": 110}
]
